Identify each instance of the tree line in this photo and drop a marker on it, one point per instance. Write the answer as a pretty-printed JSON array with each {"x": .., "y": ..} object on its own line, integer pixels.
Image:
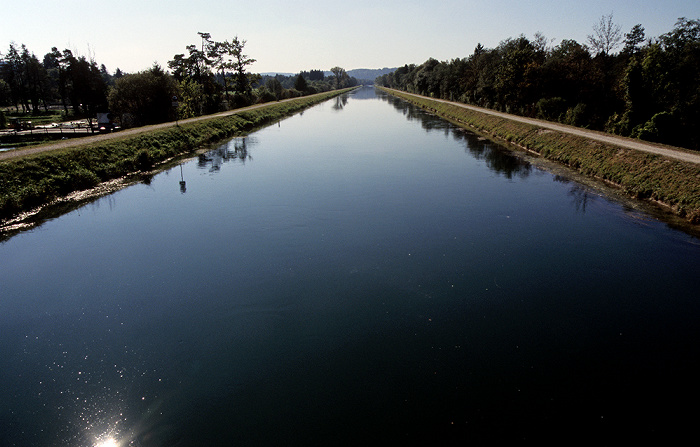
[
  {"x": 73, "y": 82},
  {"x": 649, "y": 90},
  {"x": 209, "y": 77},
  {"x": 271, "y": 88}
]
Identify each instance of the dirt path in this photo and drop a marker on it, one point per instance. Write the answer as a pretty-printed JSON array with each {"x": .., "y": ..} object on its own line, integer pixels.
[
  {"x": 628, "y": 143},
  {"x": 17, "y": 153}
]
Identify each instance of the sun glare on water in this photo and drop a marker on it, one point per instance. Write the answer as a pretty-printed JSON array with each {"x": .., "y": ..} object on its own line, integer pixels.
[{"x": 107, "y": 443}]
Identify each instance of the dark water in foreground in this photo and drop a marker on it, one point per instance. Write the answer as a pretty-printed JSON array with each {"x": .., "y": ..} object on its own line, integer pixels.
[{"x": 360, "y": 274}]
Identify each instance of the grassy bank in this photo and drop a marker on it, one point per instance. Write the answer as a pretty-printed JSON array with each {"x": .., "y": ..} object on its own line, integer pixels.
[
  {"x": 35, "y": 180},
  {"x": 674, "y": 184}
]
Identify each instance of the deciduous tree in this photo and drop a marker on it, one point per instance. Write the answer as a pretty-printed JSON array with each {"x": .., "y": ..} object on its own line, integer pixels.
[
  {"x": 146, "y": 96},
  {"x": 606, "y": 36},
  {"x": 339, "y": 75}
]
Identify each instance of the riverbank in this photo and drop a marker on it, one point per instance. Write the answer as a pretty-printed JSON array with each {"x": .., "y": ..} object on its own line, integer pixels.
[
  {"x": 35, "y": 177},
  {"x": 671, "y": 182}
]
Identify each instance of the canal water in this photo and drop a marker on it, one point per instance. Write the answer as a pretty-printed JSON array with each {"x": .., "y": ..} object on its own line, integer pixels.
[{"x": 362, "y": 273}]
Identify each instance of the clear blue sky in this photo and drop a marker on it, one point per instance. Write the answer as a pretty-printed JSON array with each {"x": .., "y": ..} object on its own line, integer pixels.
[{"x": 289, "y": 36}]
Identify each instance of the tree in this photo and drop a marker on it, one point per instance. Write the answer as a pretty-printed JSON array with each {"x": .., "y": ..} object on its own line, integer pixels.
[
  {"x": 633, "y": 39},
  {"x": 37, "y": 80},
  {"x": 685, "y": 32},
  {"x": 56, "y": 65},
  {"x": 568, "y": 71},
  {"x": 606, "y": 36},
  {"x": 88, "y": 90},
  {"x": 13, "y": 75},
  {"x": 221, "y": 57},
  {"x": 196, "y": 67},
  {"x": 313, "y": 75},
  {"x": 229, "y": 56},
  {"x": 274, "y": 86},
  {"x": 202, "y": 60},
  {"x": 340, "y": 75},
  {"x": 300, "y": 84},
  {"x": 190, "y": 99},
  {"x": 4, "y": 93},
  {"x": 146, "y": 96},
  {"x": 516, "y": 74},
  {"x": 239, "y": 63}
]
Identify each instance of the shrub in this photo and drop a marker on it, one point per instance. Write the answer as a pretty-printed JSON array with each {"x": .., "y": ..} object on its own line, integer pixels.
[
  {"x": 576, "y": 116},
  {"x": 551, "y": 109},
  {"x": 143, "y": 160},
  {"x": 660, "y": 127}
]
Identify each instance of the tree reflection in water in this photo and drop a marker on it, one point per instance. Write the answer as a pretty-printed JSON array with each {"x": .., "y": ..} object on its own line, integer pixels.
[
  {"x": 580, "y": 194},
  {"x": 235, "y": 150},
  {"x": 497, "y": 158},
  {"x": 340, "y": 102}
]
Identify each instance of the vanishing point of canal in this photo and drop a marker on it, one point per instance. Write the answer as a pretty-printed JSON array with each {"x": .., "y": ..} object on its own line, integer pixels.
[{"x": 361, "y": 273}]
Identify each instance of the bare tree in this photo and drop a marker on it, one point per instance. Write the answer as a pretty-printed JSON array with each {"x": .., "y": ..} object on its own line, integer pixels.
[{"x": 606, "y": 36}]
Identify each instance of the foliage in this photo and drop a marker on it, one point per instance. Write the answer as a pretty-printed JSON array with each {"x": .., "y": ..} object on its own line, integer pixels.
[
  {"x": 340, "y": 77},
  {"x": 270, "y": 88},
  {"x": 146, "y": 96},
  {"x": 649, "y": 90},
  {"x": 217, "y": 68},
  {"x": 189, "y": 99},
  {"x": 300, "y": 83}
]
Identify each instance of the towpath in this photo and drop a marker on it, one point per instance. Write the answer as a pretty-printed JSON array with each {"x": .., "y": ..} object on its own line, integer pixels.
[{"x": 628, "y": 143}]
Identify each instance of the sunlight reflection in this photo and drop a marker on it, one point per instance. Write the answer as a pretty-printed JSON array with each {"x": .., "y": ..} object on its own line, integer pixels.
[{"x": 109, "y": 442}]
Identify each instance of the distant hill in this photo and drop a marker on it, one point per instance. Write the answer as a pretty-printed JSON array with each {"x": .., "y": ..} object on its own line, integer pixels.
[{"x": 369, "y": 74}]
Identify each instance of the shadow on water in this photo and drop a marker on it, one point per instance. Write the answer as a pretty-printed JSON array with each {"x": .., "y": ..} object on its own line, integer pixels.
[
  {"x": 497, "y": 158},
  {"x": 512, "y": 163}
]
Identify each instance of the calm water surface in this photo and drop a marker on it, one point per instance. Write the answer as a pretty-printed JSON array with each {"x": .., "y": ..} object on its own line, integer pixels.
[{"x": 359, "y": 274}]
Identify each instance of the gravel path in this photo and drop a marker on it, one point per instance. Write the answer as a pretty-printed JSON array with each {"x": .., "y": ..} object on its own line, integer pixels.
[{"x": 628, "y": 143}]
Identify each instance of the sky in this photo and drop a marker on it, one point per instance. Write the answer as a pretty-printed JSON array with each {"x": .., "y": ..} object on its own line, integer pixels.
[{"x": 289, "y": 36}]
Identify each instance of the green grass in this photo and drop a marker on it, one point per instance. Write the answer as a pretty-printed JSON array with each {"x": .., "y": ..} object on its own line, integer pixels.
[
  {"x": 35, "y": 180},
  {"x": 673, "y": 183}
]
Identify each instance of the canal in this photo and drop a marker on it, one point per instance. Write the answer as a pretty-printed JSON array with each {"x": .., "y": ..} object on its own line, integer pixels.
[{"x": 361, "y": 273}]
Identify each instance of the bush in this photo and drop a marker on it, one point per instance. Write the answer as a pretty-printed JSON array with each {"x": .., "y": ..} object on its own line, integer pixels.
[
  {"x": 660, "y": 128},
  {"x": 265, "y": 95},
  {"x": 551, "y": 109},
  {"x": 143, "y": 160},
  {"x": 577, "y": 116}
]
